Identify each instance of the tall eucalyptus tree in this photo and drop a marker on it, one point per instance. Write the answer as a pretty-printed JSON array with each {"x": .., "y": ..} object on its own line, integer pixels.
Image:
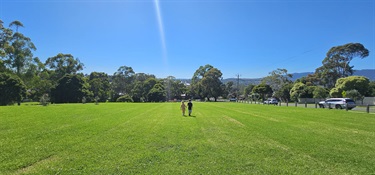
[{"x": 17, "y": 49}]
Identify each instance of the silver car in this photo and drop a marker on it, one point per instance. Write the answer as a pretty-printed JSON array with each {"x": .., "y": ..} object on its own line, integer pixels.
[
  {"x": 271, "y": 101},
  {"x": 338, "y": 103}
]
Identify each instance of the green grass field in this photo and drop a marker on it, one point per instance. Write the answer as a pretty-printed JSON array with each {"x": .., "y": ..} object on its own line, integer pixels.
[{"x": 154, "y": 138}]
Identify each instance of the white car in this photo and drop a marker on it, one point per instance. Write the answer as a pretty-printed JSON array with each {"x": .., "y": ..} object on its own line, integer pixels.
[
  {"x": 338, "y": 103},
  {"x": 271, "y": 101}
]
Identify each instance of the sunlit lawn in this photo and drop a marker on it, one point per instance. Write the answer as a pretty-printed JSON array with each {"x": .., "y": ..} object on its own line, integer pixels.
[{"x": 154, "y": 138}]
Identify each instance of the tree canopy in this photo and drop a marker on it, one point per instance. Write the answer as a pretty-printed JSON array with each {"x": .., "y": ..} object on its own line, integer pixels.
[
  {"x": 12, "y": 89},
  {"x": 206, "y": 82},
  {"x": 337, "y": 62},
  {"x": 63, "y": 64},
  {"x": 59, "y": 78},
  {"x": 277, "y": 78},
  {"x": 99, "y": 85},
  {"x": 16, "y": 49},
  {"x": 211, "y": 83},
  {"x": 264, "y": 90},
  {"x": 359, "y": 83},
  {"x": 70, "y": 89}
]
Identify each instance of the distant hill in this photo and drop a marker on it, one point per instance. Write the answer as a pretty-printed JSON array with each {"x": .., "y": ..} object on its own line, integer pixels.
[
  {"x": 245, "y": 81},
  {"x": 369, "y": 73},
  {"x": 300, "y": 75}
]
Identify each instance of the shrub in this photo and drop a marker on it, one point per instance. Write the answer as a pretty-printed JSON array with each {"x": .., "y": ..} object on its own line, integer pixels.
[
  {"x": 353, "y": 94},
  {"x": 84, "y": 100},
  {"x": 96, "y": 99},
  {"x": 124, "y": 98},
  {"x": 44, "y": 100}
]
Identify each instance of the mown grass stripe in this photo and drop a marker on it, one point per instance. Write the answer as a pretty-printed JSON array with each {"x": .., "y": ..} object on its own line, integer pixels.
[
  {"x": 153, "y": 138},
  {"x": 293, "y": 134}
]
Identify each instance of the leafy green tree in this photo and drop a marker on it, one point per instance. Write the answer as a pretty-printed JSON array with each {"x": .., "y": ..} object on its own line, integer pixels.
[
  {"x": 70, "y": 89},
  {"x": 335, "y": 92},
  {"x": 141, "y": 77},
  {"x": 34, "y": 68},
  {"x": 63, "y": 64},
  {"x": 16, "y": 52},
  {"x": 138, "y": 91},
  {"x": 206, "y": 82},
  {"x": 174, "y": 88},
  {"x": 36, "y": 79},
  {"x": 371, "y": 92},
  {"x": 310, "y": 80},
  {"x": 320, "y": 92},
  {"x": 12, "y": 89},
  {"x": 327, "y": 75},
  {"x": 264, "y": 90},
  {"x": 359, "y": 83},
  {"x": 17, "y": 49},
  {"x": 277, "y": 78},
  {"x": 196, "y": 86},
  {"x": 345, "y": 54},
  {"x": 99, "y": 85},
  {"x": 5, "y": 39},
  {"x": 337, "y": 62},
  {"x": 309, "y": 92},
  {"x": 298, "y": 91},
  {"x": 125, "y": 98},
  {"x": 255, "y": 96},
  {"x": 2, "y": 67},
  {"x": 284, "y": 93},
  {"x": 122, "y": 80},
  {"x": 353, "y": 94},
  {"x": 229, "y": 90},
  {"x": 157, "y": 93},
  {"x": 178, "y": 88},
  {"x": 39, "y": 84},
  {"x": 211, "y": 83},
  {"x": 147, "y": 86},
  {"x": 248, "y": 89},
  {"x": 17, "y": 24},
  {"x": 142, "y": 85}
]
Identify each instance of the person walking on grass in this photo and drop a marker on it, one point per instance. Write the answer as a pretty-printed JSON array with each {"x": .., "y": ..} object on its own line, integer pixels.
[
  {"x": 183, "y": 107},
  {"x": 190, "y": 107}
]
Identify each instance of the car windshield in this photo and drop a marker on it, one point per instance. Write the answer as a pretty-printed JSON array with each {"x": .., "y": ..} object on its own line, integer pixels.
[{"x": 349, "y": 100}]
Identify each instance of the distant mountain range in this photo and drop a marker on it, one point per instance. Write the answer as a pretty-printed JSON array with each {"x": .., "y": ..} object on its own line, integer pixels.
[{"x": 369, "y": 73}]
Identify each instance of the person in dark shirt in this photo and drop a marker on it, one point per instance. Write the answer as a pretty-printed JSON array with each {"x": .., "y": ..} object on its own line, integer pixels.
[{"x": 190, "y": 107}]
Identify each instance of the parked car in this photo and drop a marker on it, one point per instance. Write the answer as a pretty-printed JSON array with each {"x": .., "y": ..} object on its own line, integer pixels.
[
  {"x": 271, "y": 101},
  {"x": 233, "y": 99},
  {"x": 338, "y": 103}
]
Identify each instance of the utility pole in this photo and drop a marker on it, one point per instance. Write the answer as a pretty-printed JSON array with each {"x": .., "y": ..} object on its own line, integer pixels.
[{"x": 238, "y": 84}]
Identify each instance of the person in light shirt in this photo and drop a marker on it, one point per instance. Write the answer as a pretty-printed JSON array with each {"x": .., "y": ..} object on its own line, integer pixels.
[{"x": 183, "y": 107}]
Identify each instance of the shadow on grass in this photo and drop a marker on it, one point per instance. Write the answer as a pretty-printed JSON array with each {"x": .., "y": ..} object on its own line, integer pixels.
[{"x": 189, "y": 116}]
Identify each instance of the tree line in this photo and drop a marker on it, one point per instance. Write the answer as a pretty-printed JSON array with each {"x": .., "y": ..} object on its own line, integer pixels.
[
  {"x": 333, "y": 79},
  {"x": 58, "y": 79}
]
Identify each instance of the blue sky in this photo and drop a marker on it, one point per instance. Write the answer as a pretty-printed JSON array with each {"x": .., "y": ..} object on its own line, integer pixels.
[{"x": 174, "y": 37}]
